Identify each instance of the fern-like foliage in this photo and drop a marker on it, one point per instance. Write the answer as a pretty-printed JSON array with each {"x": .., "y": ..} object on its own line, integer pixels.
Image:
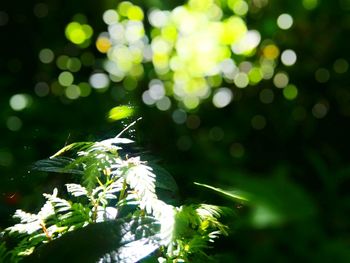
[
  {"x": 4, "y": 253},
  {"x": 111, "y": 188}
]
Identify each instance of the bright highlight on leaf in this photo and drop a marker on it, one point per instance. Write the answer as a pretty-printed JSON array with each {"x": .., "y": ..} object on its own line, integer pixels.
[
  {"x": 121, "y": 112},
  {"x": 235, "y": 195},
  {"x": 114, "y": 213}
]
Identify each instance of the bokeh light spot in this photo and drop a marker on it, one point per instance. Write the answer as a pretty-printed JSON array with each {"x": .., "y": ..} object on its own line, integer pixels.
[
  {"x": 319, "y": 110},
  {"x": 85, "y": 89},
  {"x": 191, "y": 102},
  {"x": 123, "y": 8},
  {"x": 310, "y": 4},
  {"x": 281, "y": 80},
  {"x": 46, "y": 55},
  {"x": 285, "y": 21},
  {"x": 237, "y": 150},
  {"x": 341, "y": 66},
  {"x": 322, "y": 75},
  {"x": 271, "y": 51},
  {"x": 267, "y": 69},
  {"x": 19, "y": 102},
  {"x": 14, "y": 123},
  {"x": 179, "y": 116},
  {"x": 135, "y": 13},
  {"x": 72, "y": 92},
  {"x": 158, "y": 18},
  {"x": 62, "y": 62},
  {"x": 258, "y": 122},
  {"x": 240, "y": 7},
  {"x": 99, "y": 80},
  {"x": 73, "y": 64},
  {"x": 266, "y": 96},
  {"x": 147, "y": 99},
  {"x": 65, "y": 78},
  {"x": 234, "y": 28},
  {"x": 110, "y": 17},
  {"x": 288, "y": 57},
  {"x": 255, "y": 75},
  {"x": 103, "y": 44},
  {"x": 78, "y": 33},
  {"x": 56, "y": 88},
  {"x": 241, "y": 80},
  {"x": 42, "y": 89},
  {"x": 163, "y": 104},
  {"x": 222, "y": 97},
  {"x": 290, "y": 92},
  {"x": 247, "y": 43},
  {"x": 156, "y": 89}
]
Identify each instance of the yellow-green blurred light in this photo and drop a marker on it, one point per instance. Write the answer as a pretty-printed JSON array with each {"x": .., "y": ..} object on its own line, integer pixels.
[
  {"x": 72, "y": 92},
  {"x": 77, "y": 33},
  {"x": 255, "y": 75},
  {"x": 135, "y": 13},
  {"x": 123, "y": 8},
  {"x": 85, "y": 89},
  {"x": 310, "y": 4},
  {"x": 120, "y": 112},
  {"x": 66, "y": 78}
]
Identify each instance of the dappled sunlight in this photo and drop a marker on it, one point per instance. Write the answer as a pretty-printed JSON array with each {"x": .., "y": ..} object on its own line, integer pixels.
[
  {"x": 230, "y": 118},
  {"x": 194, "y": 49}
]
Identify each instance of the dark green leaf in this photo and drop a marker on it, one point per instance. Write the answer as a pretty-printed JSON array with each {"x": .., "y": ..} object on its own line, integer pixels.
[
  {"x": 57, "y": 165},
  {"x": 125, "y": 241}
]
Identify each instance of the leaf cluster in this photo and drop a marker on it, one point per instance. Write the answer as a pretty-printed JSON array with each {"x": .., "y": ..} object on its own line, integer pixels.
[{"x": 111, "y": 214}]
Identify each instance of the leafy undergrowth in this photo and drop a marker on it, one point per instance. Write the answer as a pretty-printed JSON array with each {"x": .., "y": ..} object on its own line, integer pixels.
[{"x": 110, "y": 213}]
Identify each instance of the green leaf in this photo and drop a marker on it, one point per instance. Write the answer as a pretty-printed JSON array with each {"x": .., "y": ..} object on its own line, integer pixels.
[
  {"x": 274, "y": 201},
  {"x": 124, "y": 241},
  {"x": 58, "y": 165},
  {"x": 121, "y": 112},
  {"x": 78, "y": 146},
  {"x": 232, "y": 194},
  {"x": 4, "y": 254},
  {"x": 164, "y": 179}
]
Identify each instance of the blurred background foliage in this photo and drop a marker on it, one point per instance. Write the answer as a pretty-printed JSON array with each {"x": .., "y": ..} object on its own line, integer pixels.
[{"x": 248, "y": 96}]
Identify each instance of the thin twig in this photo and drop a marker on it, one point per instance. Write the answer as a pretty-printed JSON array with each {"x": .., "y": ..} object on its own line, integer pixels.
[{"x": 130, "y": 125}]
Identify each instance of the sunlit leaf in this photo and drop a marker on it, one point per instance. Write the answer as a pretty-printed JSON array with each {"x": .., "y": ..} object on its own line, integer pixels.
[
  {"x": 74, "y": 146},
  {"x": 117, "y": 140},
  {"x": 232, "y": 194},
  {"x": 125, "y": 241},
  {"x": 121, "y": 112}
]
